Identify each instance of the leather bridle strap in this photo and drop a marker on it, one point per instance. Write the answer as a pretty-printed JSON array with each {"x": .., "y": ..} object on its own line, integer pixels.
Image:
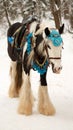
[
  {"x": 46, "y": 48},
  {"x": 56, "y": 58}
]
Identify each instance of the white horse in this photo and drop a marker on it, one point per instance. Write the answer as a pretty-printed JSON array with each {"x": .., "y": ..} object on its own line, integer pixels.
[{"x": 43, "y": 46}]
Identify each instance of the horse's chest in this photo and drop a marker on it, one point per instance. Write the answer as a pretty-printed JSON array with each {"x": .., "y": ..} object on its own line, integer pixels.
[{"x": 40, "y": 67}]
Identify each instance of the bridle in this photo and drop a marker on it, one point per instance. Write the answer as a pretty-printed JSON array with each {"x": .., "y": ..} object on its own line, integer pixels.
[
  {"x": 56, "y": 58},
  {"x": 46, "y": 48}
]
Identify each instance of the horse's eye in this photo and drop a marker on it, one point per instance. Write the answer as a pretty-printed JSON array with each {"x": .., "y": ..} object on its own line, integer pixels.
[
  {"x": 49, "y": 47},
  {"x": 62, "y": 47}
]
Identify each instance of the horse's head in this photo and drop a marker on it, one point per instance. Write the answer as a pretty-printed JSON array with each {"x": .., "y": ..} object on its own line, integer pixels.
[{"x": 54, "y": 43}]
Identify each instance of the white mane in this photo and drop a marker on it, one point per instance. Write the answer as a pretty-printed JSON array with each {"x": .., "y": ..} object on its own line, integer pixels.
[
  {"x": 33, "y": 27},
  {"x": 43, "y": 25}
]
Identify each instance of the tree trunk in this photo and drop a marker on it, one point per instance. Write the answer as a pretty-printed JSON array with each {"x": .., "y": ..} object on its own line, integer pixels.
[
  {"x": 56, "y": 13},
  {"x": 6, "y": 13},
  {"x": 71, "y": 16},
  {"x": 71, "y": 21},
  {"x": 66, "y": 10},
  {"x": 38, "y": 9}
]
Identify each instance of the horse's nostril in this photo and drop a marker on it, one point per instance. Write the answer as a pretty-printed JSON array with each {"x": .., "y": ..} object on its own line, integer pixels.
[
  {"x": 59, "y": 68},
  {"x": 54, "y": 70}
]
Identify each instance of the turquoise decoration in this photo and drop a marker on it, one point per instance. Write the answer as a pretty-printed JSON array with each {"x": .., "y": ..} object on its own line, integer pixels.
[
  {"x": 55, "y": 38},
  {"x": 11, "y": 40},
  {"x": 28, "y": 39},
  {"x": 39, "y": 69},
  {"x": 35, "y": 66}
]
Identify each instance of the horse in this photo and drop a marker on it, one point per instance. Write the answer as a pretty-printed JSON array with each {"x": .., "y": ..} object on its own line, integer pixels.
[{"x": 33, "y": 46}]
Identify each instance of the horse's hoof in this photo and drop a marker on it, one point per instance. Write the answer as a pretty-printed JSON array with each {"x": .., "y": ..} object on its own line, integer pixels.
[
  {"x": 13, "y": 94},
  {"x": 27, "y": 110},
  {"x": 47, "y": 110}
]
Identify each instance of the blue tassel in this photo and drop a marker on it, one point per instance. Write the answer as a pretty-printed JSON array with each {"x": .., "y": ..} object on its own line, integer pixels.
[
  {"x": 28, "y": 39},
  {"x": 55, "y": 38},
  {"x": 39, "y": 69},
  {"x": 11, "y": 40}
]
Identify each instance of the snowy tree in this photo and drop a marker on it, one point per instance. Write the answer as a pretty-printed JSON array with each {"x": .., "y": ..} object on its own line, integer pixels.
[
  {"x": 55, "y": 8},
  {"x": 65, "y": 9},
  {"x": 10, "y": 10},
  {"x": 71, "y": 14},
  {"x": 4, "y": 11},
  {"x": 36, "y": 7}
]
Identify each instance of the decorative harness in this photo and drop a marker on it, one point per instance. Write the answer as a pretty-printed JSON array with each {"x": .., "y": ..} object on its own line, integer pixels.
[
  {"x": 54, "y": 37},
  {"x": 40, "y": 68},
  {"x": 17, "y": 41},
  {"x": 56, "y": 40}
]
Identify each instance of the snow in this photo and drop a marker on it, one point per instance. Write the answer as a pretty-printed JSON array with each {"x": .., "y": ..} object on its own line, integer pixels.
[{"x": 60, "y": 88}]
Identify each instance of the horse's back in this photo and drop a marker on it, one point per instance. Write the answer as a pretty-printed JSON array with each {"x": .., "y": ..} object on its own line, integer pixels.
[
  {"x": 13, "y": 28},
  {"x": 11, "y": 50}
]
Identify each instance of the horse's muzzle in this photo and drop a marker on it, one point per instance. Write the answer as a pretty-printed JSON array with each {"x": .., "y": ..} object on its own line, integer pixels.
[{"x": 57, "y": 70}]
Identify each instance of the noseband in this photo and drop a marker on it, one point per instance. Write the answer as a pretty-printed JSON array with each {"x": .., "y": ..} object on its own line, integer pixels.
[{"x": 56, "y": 58}]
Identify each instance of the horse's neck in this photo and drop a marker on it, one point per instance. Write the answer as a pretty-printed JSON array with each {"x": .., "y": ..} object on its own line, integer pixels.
[{"x": 33, "y": 27}]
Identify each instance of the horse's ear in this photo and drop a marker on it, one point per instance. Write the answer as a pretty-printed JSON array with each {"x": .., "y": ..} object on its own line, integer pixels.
[
  {"x": 61, "y": 29},
  {"x": 47, "y": 32}
]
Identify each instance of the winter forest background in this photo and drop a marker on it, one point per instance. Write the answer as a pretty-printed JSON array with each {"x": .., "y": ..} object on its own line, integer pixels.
[
  {"x": 57, "y": 10},
  {"x": 60, "y": 87}
]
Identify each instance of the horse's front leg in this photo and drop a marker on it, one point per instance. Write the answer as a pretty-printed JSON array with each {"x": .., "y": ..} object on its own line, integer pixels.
[
  {"x": 25, "y": 103},
  {"x": 16, "y": 79},
  {"x": 44, "y": 105}
]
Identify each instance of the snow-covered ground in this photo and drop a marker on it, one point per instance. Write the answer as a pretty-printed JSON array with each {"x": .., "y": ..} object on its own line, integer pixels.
[{"x": 60, "y": 88}]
